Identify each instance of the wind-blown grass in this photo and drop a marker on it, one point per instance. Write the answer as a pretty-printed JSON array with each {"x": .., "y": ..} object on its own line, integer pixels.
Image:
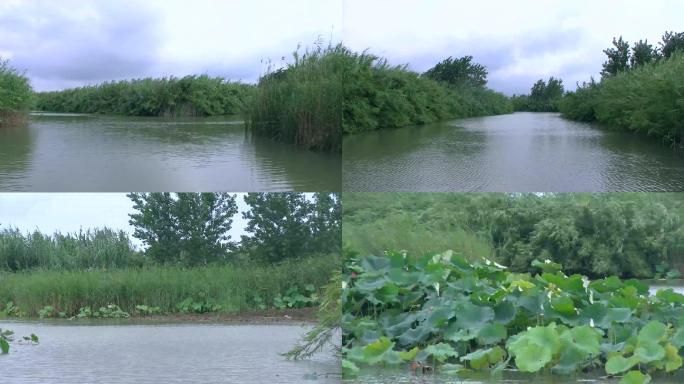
[
  {"x": 233, "y": 287},
  {"x": 648, "y": 99},
  {"x": 169, "y": 96},
  {"x": 16, "y": 95}
]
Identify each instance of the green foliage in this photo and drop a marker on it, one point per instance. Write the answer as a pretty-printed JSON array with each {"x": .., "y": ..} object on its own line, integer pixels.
[
  {"x": 169, "y": 96},
  {"x": 186, "y": 228},
  {"x": 293, "y": 298},
  {"x": 618, "y": 58},
  {"x": 301, "y": 104},
  {"x": 98, "y": 248},
  {"x": 378, "y": 95},
  {"x": 458, "y": 72},
  {"x": 287, "y": 225},
  {"x": 7, "y": 336},
  {"x": 230, "y": 286},
  {"x": 203, "y": 305},
  {"x": 543, "y": 97},
  {"x": 479, "y": 316},
  {"x": 626, "y": 234},
  {"x": 145, "y": 310},
  {"x": 645, "y": 96},
  {"x": 16, "y": 95}
]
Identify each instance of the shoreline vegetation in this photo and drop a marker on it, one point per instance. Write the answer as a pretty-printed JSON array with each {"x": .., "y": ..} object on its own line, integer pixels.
[
  {"x": 16, "y": 95},
  {"x": 189, "y": 96},
  {"x": 640, "y": 90},
  {"x": 379, "y": 95}
]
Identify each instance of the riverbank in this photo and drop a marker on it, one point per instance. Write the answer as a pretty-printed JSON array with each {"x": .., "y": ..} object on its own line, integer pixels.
[
  {"x": 255, "y": 317},
  {"x": 165, "y": 290},
  {"x": 647, "y": 99},
  {"x": 16, "y": 96}
]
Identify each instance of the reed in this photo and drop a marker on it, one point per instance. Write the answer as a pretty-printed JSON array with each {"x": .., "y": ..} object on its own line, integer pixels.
[{"x": 16, "y": 95}]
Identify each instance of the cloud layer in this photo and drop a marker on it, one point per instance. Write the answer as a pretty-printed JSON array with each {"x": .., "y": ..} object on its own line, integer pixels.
[{"x": 71, "y": 43}]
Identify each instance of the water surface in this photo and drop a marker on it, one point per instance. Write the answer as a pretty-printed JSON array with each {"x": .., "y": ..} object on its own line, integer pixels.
[
  {"x": 161, "y": 354},
  {"x": 69, "y": 152},
  {"x": 521, "y": 152}
]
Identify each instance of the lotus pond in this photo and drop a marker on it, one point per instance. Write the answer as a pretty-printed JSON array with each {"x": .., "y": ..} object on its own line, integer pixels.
[{"x": 459, "y": 320}]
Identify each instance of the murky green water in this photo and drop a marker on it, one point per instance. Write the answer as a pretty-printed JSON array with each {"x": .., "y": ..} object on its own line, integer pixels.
[
  {"x": 161, "y": 354},
  {"x": 522, "y": 152},
  {"x": 94, "y": 153}
]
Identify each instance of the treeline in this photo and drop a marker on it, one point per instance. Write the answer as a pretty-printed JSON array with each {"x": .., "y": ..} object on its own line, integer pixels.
[
  {"x": 625, "y": 234},
  {"x": 168, "y": 96},
  {"x": 640, "y": 89},
  {"x": 379, "y": 95},
  {"x": 544, "y": 97},
  {"x": 188, "y": 230},
  {"x": 16, "y": 95}
]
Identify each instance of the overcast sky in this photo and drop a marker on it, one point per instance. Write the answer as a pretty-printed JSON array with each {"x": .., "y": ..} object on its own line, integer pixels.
[
  {"x": 70, "y": 43},
  {"x": 69, "y": 212}
]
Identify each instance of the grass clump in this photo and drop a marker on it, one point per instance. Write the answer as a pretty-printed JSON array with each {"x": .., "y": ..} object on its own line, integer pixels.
[
  {"x": 16, "y": 95},
  {"x": 167, "y": 289},
  {"x": 302, "y": 103},
  {"x": 168, "y": 96}
]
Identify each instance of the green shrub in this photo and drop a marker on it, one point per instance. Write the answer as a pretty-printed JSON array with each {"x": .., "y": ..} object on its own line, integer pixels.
[{"x": 16, "y": 95}]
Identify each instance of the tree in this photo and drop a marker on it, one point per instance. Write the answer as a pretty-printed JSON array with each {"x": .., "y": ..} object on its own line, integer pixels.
[
  {"x": 326, "y": 222},
  {"x": 642, "y": 53},
  {"x": 459, "y": 72},
  {"x": 278, "y": 224},
  {"x": 187, "y": 228},
  {"x": 618, "y": 58},
  {"x": 671, "y": 43}
]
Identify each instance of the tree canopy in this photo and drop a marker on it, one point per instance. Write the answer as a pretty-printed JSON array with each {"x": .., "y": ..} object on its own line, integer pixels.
[{"x": 458, "y": 72}]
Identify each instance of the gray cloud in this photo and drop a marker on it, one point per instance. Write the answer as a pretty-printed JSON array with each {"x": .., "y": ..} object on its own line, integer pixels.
[{"x": 59, "y": 45}]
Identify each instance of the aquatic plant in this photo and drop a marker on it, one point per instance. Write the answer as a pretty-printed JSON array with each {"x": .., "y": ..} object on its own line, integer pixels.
[
  {"x": 294, "y": 299},
  {"x": 203, "y": 305},
  {"x": 7, "y": 336},
  {"x": 446, "y": 312},
  {"x": 301, "y": 104},
  {"x": 168, "y": 96},
  {"x": 16, "y": 95}
]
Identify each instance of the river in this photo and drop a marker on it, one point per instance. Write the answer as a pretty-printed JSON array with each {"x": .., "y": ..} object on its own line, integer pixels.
[
  {"x": 74, "y": 353},
  {"x": 521, "y": 152},
  {"x": 84, "y": 153}
]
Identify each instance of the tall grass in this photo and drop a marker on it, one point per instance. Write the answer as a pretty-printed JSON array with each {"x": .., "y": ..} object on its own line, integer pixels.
[
  {"x": 648, "y": 99},
  {"x": 169, "y": 96},
  {"x": 234, "y": 287},
  {"x": 98, "y": 248},
  {"x": 302, "y": 104},
  {"x": 16, "y": 95}
]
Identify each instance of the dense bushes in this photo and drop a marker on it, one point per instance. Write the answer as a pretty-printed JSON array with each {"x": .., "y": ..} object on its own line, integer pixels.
[
  {"x": 631, "y": 235},
  {"x": 301, "y": 104},
  {"x": 379, "y": 95},
  {"x": 646, "y": 97},
  {"x": 187, "y": 96},
  {"x": 543, "y": 97},
  {"x": 15, "y": 95}
]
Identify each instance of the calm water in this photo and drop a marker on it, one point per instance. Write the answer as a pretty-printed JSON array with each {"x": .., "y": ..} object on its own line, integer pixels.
[
  {"x": 94, "y": 153},
  {"x": 161, "y": 354},
  {"x": 522, "y": 152}
]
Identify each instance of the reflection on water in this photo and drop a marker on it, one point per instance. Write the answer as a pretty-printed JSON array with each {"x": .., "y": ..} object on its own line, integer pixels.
[
  {"x": 93, "y": 153},
  {"x": 162, "y": 354},
  {"x": 525, "y": 152}
]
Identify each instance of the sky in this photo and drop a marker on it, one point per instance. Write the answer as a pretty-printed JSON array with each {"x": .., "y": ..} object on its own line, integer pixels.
[
  {"x": 70, "y": 43},
  {"x": 69, "y": 212}
]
